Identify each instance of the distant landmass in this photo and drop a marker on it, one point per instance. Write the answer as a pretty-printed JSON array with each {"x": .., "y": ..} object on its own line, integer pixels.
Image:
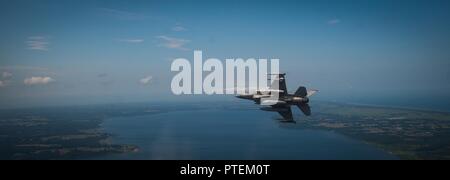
[
  {"x": 407, "y": 133},
  {"x": 76, "y": 132}
]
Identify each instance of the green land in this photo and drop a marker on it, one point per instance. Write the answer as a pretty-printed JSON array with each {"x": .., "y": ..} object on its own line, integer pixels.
[{"x": 406, "y": 133}]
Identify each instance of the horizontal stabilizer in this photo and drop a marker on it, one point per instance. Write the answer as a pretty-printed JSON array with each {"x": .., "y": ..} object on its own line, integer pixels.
[
  {"x": 312, "y": 92},
  {"x": 287, "y": 114},
  {"x": 305, "y": 109}
]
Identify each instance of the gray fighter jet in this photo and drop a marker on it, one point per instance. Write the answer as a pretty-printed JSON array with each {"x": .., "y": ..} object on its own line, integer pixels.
[{"x": 285, "y": 100}]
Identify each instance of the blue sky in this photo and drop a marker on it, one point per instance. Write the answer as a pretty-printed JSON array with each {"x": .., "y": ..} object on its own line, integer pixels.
[{"x": 102, "y": 51}]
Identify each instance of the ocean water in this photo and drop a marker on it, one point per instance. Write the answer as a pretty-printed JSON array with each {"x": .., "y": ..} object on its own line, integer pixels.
[{"x": 230, "y": 135}]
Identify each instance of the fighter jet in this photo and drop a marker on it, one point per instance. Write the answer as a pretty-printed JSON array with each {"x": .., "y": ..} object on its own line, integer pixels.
[{"x": 285, "y": 100}]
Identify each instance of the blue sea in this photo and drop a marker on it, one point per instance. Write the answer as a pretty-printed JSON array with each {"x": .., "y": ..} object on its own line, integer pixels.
[{"x": 230, "y": 135}]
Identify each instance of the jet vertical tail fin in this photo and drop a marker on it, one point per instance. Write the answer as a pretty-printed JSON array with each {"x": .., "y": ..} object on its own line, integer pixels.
[
  {"x": 301, "y": 92},
  {"x": 279, "y": 81}
]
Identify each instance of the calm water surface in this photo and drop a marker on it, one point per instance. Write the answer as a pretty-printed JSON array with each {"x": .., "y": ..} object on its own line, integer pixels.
[{"x": 230, "y": 134}]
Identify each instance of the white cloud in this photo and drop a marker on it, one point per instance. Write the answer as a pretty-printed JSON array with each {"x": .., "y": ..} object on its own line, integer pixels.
[
  {"x": 173, "y": 43},
  {"x": 146, "y": 81},
  {"x": 334, "y": 21},
  {"x": 27, "y": 70},
  {"x": 6, "y": 75},
  {"x": 134, "y": 41},
  {"x": 179, "y": 28},
  {"x": 23, "y": 68},
  {"x": 38, "y": 81},
  {"x": 39, "y": 43},
  {"x": 122, "y": 15}
]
